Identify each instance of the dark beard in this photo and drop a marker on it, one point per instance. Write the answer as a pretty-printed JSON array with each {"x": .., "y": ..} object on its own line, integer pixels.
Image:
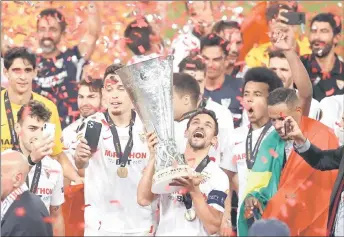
[{"x": 322, "y": 53}]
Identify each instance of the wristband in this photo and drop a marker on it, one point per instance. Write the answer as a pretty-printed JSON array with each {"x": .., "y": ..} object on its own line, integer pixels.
[{"x": 31, "y": 163}]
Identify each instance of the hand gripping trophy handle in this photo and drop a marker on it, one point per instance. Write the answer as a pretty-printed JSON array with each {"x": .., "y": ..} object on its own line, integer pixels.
[{"x": 149, "y": 85}]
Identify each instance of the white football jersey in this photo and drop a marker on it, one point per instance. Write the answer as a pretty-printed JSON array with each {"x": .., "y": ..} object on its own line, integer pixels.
[
  {"x": 112, "y": 201},
  {"x": 226, "y": 126},
  {"x": 50, "y": 185},
  {"x": 70, "y": 139},
  {"x": 235, "y": 155},
  {"x": 332, "y": 109},
  {"x": 314, "y": 110},
  {"x": 172, "y": 209}
]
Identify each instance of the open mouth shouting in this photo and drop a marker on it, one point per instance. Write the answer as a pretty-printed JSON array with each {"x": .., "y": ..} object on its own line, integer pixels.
[{"x": 198, "y": 134}]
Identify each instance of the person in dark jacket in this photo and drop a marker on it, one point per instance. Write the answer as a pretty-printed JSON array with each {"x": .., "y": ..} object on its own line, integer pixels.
[
  {"x": 323, "y": 160},
  {"x": 22, "y": 212}
]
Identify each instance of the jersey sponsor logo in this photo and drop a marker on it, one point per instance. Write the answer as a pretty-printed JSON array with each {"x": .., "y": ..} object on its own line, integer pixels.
[
  {"x": 237, "y": 143},
  {"x": 132, "y": 155},
  {"x": 105, "y": 138},
  {"x": 44, "y": 191},
  {"x": 239, "y": 157}
]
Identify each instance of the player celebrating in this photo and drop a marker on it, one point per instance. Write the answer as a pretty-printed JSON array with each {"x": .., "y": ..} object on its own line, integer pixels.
[
  {"x": 198, "y": 208},
  {"x": 113, "y": 171}
]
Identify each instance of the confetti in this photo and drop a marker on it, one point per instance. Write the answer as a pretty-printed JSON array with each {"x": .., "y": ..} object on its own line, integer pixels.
[
  {"x": 273, "y": 153},
  {"x": 282, "y": 115},
  {"x": 264, "y": 159},
  {"x": 284, "y": 211},
  {"x": 48, "y": 219},
  {"x": 20, "y": 211}
]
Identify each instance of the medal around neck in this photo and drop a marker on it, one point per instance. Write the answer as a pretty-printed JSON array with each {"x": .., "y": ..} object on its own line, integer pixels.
[
  {"x": 122, "y": 172},
  {"x": 149, "y": 85},
  {"x": 190, "y": 214}
]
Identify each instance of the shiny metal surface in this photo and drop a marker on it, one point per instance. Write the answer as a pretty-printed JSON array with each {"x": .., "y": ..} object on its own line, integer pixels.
[{"x": 150, "y": 87}]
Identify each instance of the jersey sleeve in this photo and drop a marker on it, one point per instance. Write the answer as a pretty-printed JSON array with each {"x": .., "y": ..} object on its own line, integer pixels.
[
  {"x": 69, "y": 146},
  {"x": 57, "y": 198},
  {"x": 55, "y": 119},
  {"x": 330, "y": 111},
  {"x": 218, "y": 195}
]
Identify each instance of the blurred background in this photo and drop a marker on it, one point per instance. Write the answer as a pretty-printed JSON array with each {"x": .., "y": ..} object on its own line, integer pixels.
[{"x": 18, "y": 20}]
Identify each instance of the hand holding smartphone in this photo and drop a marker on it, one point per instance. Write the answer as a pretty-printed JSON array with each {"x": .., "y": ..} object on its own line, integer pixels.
[
  {"x": 49, "y": 130},
  {"x": 92, "y": 134}
]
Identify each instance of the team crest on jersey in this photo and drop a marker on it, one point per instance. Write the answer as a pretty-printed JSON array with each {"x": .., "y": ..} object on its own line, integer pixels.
[{"x": 226, "y": 102}]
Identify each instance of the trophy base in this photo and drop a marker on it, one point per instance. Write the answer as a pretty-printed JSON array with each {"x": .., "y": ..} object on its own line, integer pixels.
[{"x": 163, "y": 178}]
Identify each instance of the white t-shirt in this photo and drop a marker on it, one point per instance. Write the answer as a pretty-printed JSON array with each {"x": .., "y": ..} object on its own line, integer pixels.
[
  {"x": 314, "y": 111},
  {"x": 332, "y": 108},
  {"x": 235, "y": 155},
  {"x": 172, "y": 209},
  {"x": 70, "y": 137},
  {"x": 50, "y": 185},
  {"x": 112, "y": 200},
  {"x": 225, "y": 121}
]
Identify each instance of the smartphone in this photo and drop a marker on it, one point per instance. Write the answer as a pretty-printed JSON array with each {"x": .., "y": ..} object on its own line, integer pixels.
[
  {"x": 49, "y": 130},
  {"x": 286, "y": 127},
  {"x": 255, "y": 217},
  {"x": 294, "y": 18},
  {"x": 92, "y": 134}
]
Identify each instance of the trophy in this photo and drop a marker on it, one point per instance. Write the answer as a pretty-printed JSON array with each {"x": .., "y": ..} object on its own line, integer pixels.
[{"x": 149, "y": 85}]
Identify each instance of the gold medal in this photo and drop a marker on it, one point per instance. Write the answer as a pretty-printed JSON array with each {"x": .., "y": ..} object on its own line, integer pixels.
[
  {"x": 122, "y": 172},
  {"x": 190, "y": 214}
]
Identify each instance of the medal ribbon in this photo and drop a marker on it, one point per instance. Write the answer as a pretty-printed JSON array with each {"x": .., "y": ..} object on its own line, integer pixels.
[
  {"x": 187, "y": 197},
  {"x": 123, "y": 158},
  {"x": 252, "y": 155}
]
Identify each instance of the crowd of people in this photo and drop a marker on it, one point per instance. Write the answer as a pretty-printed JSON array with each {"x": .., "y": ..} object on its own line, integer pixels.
[{"x": 267, "y": 135}]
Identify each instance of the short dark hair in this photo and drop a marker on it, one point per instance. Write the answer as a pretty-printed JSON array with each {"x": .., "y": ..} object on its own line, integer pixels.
[
  {"x": 208, "y": 112},
  {"x": 19, "y": 52},
  {"x": 112, "y": 69},
  {"x": 34, "y": 109},
  {"x": 329, "y": 18},
  {"x": 94, "y": 84},
  {"x": 264, "y": 75},
  {"x": 273, "y": 10},
  {"x": 137, "y": 36},
  {"x": 214, "y": 40},
  {"x": 276, "y": 54},
  {"x": 223, "y": 25},
  {"x": 53, "y": 13},
  {"x": 192, "y": 63},
  {"x": 186, "y": 85},
  {"x": 283, "y": 95}
]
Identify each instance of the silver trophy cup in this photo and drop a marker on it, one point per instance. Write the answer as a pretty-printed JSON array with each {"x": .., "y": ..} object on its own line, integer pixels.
[{"x": 150, "y": 87}]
